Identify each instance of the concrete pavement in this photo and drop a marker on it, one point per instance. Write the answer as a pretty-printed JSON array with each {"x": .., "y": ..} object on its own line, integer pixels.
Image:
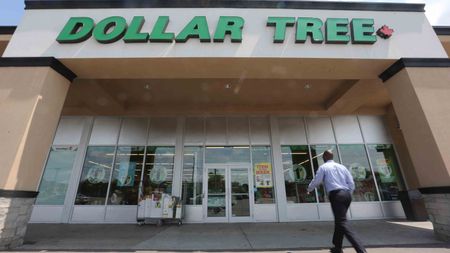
[
  {"x": 370, "y": 250},
  {"x": 378, "y": 235}
]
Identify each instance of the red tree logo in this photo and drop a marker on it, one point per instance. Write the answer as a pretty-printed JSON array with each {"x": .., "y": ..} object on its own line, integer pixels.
[{"x": 385, "y": 32}]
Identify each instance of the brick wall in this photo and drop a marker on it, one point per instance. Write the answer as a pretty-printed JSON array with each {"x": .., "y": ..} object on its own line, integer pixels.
[
  {"x": 438, "y": 207},
  {"x": 14, "y": 216}
]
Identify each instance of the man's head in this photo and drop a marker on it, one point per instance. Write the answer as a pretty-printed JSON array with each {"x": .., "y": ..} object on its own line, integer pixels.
[{"x": 327, "y": 155}]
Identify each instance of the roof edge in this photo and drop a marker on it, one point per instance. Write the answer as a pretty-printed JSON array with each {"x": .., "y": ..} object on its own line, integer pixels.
[
  {"x": 51, "y": 62},
  {"x": 7, "y": 29},
  {"x": 276, "y": 4},
  {"x": 413, "y": 62},
  {"x": 17, "y": 194},
  {"x": 442, "y": 30}
]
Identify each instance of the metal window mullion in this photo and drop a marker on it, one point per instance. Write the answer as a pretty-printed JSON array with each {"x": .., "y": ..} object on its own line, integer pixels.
[
  {"x": 141, "y": 183},
  {"x": 271, "y": 155},
  {"x": 311, "y": 163},
  {"x": 205, "y": 175},
  {"x": 44, "y": 168},
  {"x": 400, "y": 168},
  {"x": 112, "y": 167},
  {"x": 251, "y": 187},
  {"x": 145, "y": 152},
  {"x": 335, "y": 139},
  {"x": 228, "y": 192},
  {"x": 280, "y": 190},
  {"x": 371, "y": 169},
  {"x": 194, "y": 177},
  {"x": 177, "y": 171},
  {"x": 373, "y": 174},
  {"x": 203, "y": 149},
  {"x": 339, "y": 153},
  {"x": 77, "y": 170},
  {"x": 47, "y": 158},
  {"x": 194, "y": 164},
  {"x": 227, "y": 140}
]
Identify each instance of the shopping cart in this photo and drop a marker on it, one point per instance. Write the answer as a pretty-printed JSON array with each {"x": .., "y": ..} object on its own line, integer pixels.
[{"x": 158, "y": 208}]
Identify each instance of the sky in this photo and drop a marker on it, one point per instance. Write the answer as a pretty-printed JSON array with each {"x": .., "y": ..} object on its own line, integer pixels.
[{"x": 437, "y": 11}]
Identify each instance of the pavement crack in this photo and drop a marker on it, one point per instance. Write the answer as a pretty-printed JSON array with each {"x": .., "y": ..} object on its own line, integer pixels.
[{"x": 246, "y": 237}]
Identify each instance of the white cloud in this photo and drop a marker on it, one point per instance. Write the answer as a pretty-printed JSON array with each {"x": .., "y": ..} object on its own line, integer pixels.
[{"x": 437, "y": 11}]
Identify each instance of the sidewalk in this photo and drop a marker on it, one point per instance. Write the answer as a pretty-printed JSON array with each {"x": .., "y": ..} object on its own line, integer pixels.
[{"x": 378, "y": 235}]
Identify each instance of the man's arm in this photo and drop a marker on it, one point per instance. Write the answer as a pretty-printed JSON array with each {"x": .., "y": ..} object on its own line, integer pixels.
[
  {"x": 349, "y": 180},
  {"x": 317, "y": 180}
]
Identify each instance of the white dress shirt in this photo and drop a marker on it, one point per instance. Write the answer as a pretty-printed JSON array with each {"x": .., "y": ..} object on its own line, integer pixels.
[{"x": 334, "y": 176}]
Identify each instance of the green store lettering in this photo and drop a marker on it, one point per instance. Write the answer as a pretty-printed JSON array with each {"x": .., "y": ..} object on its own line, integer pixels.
[
  {"x": 115, "y": 28},
  {"x": 334, "y": 31},
  {"x": 112, "y": 29}
]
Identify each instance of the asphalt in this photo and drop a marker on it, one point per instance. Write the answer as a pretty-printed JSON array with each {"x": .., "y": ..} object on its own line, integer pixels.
[{"x": 378, "y": 235}]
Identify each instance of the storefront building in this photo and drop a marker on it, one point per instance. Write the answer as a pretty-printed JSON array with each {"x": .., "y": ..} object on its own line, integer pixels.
[{"x": 229, "y": 106}]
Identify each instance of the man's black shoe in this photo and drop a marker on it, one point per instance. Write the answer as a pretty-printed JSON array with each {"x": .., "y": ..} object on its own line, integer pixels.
[{"x": 336, "y": 250}]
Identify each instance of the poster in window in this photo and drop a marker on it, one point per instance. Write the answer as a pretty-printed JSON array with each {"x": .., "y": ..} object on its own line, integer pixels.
[
  {"x": 385, "y": 168},
  {"x": 158, "y": 174},
  {"x": 358, "y": 172},
  {"x": 300, "y": 173},
  {"x": 263, "y": 175},
  {"x": 126, "y": 174},
  {"x": 96, "y": 174}
]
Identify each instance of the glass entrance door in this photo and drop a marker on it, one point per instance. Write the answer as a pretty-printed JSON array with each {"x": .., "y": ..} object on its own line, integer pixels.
[
  {"x": 228, "y": 197},
  {"x": 217, "y": 194},
  {"x": 239, "y": 194}
]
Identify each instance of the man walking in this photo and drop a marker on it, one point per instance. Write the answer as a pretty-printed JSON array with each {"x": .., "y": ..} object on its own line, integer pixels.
[{"x": 339, "y": 184}]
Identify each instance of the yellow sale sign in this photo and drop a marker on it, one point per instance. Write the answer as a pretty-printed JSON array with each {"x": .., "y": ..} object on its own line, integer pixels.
[{"x": 263, "y": 175}]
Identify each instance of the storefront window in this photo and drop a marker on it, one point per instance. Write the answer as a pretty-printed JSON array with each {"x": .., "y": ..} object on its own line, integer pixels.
[
  {"x": 53, "y": 187},
  {"x": 95, "y": 176},
  {"x": 158, "y": 174},
  {"x": 237, "y": 154},
  {"x": 297, "y": 173},
  {"x": 192, "y": 175},
  {"x": 354, "y": 157},
  {"x": 126, "y": 176},
  {"x": 387, "y": 173},
  {"x": 317, "y": 160},
  {"x": 263, "y": 175}
]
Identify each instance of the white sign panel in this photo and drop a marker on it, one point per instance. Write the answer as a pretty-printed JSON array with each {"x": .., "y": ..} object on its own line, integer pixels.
[{"x": 36, "y": 36}]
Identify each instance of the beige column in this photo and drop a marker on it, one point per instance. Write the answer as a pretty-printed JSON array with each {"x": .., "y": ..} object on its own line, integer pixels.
[
  {"x": 412, "y": 201},
  {"x": 420, "y": 93},
  {"x": 32, "y": 94}
]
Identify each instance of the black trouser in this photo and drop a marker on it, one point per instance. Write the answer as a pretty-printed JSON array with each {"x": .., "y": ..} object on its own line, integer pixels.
[{"x": 340, "y": 202}]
